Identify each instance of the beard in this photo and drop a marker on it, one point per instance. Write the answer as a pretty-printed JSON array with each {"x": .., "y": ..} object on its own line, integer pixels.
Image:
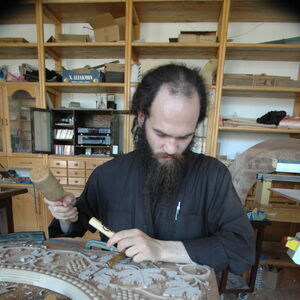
[{"x": 162, "y": 178}]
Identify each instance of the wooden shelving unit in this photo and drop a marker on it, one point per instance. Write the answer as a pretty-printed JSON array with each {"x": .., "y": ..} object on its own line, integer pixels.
[{"x": 137, "y": 12}]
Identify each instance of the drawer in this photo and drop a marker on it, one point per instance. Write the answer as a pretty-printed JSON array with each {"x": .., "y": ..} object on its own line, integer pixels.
[
  {"x": 92, "y": 164},
  {"x": 76, "y": 181},
  {"x": 76, "y": 164},
  {"x": 59, "y": 172},
  {"x": 62, "y": 180},
  {"x": 76, "y": 173},
  {"x": 21, "y": 162},
  {"x": 57, "y": 163}
]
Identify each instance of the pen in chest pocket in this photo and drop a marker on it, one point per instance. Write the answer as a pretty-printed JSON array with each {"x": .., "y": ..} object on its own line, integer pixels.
[{"x": 177, "y": 210}]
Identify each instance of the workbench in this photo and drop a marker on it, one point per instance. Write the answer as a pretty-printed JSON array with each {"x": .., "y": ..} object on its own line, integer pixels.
[{"x": 65, "y": 267}]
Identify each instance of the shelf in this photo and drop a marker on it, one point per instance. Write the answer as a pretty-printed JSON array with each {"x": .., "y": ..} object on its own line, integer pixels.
[
  {"x": 262, "y": 11},
  {"x": 22, "y": 13},
  {"x": 175, "y": 50},
  {"x": 91, "y": 146},
  {"x": 275, "y": 254},
  {"x": 260, "y": 91},
  {"x": 178, "y": 11},
  {"x": 18, "y": 51},
  {"x": 259, "y": 129},
  {"x": 79, "y": 11},
  {"x": 262, "y": 52},
  {"x": 101, "y": 87},
  {"x": 156, "y": 11},
  {"x": 209, "y": 11},
  {"x": 86, "y": 50}
]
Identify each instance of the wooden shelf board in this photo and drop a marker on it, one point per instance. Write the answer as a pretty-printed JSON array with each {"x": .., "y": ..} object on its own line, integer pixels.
[
  {"x": 262, "y": 11},
  {"x": 262, "y": 52},
  {"x": 209, "y": 11},
  {"x": 18, "y": 51},
  {"x": 23, "y": 84},
  {"x": 68, "y": 11},
  {"x": 260, "y": 91},
  {"x": 178, "y": 11},
  {"x": 175, "y": 50},
  {"x": 22, "y": 13},
  {"x": 292, "y": 194},
  {"x": 258, "y": 129},
  {"x": 71, "y": 12},
  {"x": 103, "y": 87},
  {"x": 86, "y": 50},
  {"x": 282, "y": 214},
  {"x": 276, "y": 254}
]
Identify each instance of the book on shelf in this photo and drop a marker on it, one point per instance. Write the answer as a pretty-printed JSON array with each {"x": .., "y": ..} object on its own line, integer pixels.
[
  {"x": 64, "y": 149},
  {"x": 63, "y": 134}
]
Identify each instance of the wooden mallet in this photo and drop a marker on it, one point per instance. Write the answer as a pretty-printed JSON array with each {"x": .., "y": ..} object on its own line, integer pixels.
[{"x": 47, "y": 184}]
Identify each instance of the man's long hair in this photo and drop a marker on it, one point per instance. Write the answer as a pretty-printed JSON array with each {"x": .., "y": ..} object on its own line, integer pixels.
[{"x": 182, "y": 81}]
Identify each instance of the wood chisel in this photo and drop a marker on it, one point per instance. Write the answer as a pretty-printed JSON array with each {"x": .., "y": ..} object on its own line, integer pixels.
[{"x": 107, "y": 232}]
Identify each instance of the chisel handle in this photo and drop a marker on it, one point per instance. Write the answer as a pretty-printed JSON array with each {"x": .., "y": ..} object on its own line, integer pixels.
[{"x": 98, "y": 225}]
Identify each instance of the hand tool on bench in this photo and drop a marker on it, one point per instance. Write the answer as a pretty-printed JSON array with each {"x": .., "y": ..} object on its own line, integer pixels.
[{"x": 107, "y": 232}]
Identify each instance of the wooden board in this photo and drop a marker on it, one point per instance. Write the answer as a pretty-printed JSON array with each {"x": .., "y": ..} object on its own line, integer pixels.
[
  {"x": 292, "y": 194},
  {"x": 13, "y": 40}
]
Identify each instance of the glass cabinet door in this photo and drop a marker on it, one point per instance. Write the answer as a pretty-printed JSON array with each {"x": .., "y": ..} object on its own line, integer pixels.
[{"x": 20, "y": 100}]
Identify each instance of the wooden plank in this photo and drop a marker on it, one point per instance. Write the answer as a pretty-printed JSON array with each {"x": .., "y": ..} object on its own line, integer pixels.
[
  {"x": 175, "y": 50},
  {"x": 279, "y": 178},
  {"x": 18, "y": 50},
  {"x": 80, "y": 11},
  {"x": 87, "y": 50},
  {"x": 263, "y": 11},
  {"x": 292, "y": 194},
  {"x": 263, "y": 52},
  {"x": 263, "y": 92},
  {"x": 258, "y": 129},
  {"x": 178, "y": 11},
  {"x": 86, "y": 87},
  {"x": 290, "y": 215}
]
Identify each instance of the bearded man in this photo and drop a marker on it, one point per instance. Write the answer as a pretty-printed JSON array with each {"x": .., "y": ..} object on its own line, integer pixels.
[{"x": 164, "y": 202}]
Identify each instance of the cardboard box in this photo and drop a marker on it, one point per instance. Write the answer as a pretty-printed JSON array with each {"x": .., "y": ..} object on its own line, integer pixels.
[
  {"x": 114, "y": 72},
  {"x": 197, "y": 37},
  {"x": 108, "y": 29}
]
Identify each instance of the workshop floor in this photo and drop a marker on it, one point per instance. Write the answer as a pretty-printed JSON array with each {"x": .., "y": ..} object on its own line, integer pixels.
[
  {"x": 286, "y": 287},
  {"x": 274, "y": 295},
  {"x": 264, "y": 295}
]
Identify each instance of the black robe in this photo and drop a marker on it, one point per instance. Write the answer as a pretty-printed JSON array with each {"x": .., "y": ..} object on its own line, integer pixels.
[{"x": 211, "y": 221}]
